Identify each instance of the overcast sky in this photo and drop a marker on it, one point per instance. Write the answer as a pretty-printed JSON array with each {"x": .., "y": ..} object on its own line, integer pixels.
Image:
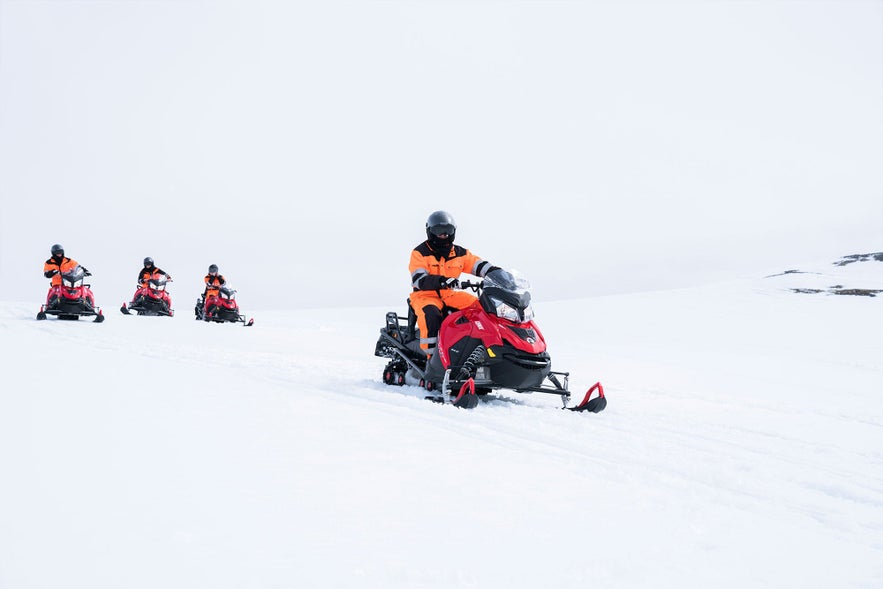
[{"x": 596, "y": 147}]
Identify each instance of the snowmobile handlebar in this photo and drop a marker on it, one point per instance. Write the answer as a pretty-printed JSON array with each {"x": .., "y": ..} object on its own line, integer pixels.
[{"x": 469, "y": 285}]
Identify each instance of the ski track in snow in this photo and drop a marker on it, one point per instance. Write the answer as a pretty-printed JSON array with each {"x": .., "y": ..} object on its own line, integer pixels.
[{"x": 708, "y": 454}]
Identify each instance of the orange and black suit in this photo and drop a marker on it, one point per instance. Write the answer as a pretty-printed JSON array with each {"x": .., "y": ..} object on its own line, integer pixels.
[
  {"x": 431, "y": 272},
  {"x": 147, "y": 273},
  {"x": 56, "y": 266},
  {"x": 213, "y": 285}
]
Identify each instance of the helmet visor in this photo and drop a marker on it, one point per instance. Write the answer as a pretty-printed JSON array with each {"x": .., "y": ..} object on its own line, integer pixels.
[{"x": 445, "y": 229}]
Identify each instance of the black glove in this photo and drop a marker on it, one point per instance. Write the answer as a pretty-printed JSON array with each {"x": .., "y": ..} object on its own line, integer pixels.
[
  {"x": 50, "y": 273},
  {"x": 435, "y": 282},
  {"x": 431, "y": 282},
  {"x": 86, "y": 272}
]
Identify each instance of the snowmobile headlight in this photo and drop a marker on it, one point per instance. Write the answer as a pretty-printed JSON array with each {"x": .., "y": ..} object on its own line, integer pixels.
[
  {"x": 506, "y": 311},
  {"x": 527, "y": 314},
  {"x": 159, "y": 287},
  {"x": 510, "y": 313},
  {"x": 75, "y": 283}
]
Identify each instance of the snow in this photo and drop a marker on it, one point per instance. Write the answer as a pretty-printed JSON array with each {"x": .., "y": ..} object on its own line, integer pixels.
[
  {"x": 653, "y": 169},
  {"x": 741, "y": 448}
]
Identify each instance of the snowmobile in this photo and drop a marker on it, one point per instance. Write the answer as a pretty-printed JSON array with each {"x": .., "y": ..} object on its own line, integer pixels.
[
  {"x": 72, "y": 298},
  {"x": 221, "y": 308},
  {"x": 492, "y": 344},
  {"x": 151, "y": 298}
]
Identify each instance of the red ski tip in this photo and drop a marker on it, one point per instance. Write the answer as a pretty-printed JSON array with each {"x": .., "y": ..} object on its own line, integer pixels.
[
  {"x": 595, "y": 405},
  {"x": 467, "y": 398}
]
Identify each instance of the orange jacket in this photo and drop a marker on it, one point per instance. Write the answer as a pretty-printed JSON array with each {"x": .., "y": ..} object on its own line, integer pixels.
[
  {"x": 429, "y": 268},
  {"x": 59, "y": 267},
  {"x": 213, "y": 284},
  {"x": 147, "y": 273}
]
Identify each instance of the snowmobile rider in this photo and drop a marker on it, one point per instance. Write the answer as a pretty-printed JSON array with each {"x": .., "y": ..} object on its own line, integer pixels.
[
  {"x": 436, "y": 265},
  {"x": 213, "y": 282},
  {"x": 58, "y": 265},
  {"x": 148, "y": 271}
]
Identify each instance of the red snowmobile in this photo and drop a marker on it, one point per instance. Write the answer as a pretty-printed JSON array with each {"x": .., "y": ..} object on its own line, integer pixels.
[
  {"x": 221, "y": 308},
  {"x": 151, "y": 298},
  {"x": 492, "y": 344},
  {"x": 72, "y": 298}
]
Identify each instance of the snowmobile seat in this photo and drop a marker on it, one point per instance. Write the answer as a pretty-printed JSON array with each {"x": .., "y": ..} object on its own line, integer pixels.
[{"x": 403, "y": 331}]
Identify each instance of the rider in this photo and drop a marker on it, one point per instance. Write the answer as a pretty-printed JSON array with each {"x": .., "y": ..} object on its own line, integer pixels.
[
  {"x": 149, "y": 270},
  {"x": 436, "y": 265},
  {"x": 213, "y": 283},
  {"x": 58, "y": 265}
]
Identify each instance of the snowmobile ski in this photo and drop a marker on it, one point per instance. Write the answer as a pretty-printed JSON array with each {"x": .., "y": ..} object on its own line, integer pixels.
[
  {"x": 595, "y": 405},
  {"x": 467, "y": 399}
]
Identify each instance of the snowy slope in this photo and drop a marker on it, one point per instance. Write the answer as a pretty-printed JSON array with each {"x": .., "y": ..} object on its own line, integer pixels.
[{"x": 741, "y": 448}]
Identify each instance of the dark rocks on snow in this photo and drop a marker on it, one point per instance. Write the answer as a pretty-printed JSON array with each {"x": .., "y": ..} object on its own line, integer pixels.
[
  {"x": 845, "y": 260},
  {"x": 838, "y": 289}
]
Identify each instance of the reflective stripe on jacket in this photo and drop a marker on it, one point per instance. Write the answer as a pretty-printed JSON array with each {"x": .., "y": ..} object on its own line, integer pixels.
[{"x": 425, "y": 262}]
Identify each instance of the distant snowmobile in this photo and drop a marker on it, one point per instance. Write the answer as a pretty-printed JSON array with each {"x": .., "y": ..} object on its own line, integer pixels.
[
  {"x": 71, "y": 299},
  {"x": 492, "y": 344},
  {"x": 221, "y": 308},
  {"x": 151, "y": 298}
]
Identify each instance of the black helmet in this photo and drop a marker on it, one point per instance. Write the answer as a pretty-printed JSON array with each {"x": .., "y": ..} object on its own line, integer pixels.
[
  {"x": 213, "y": 269},
  {"x": 148, "y": 261},
  {"x": 57, "y": 250},
  {"x": 440, "y": 223}
]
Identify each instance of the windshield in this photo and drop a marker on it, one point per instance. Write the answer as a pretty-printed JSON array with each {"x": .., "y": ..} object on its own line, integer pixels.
[
  {"x": 74, "y": 273},
  {"x": 73, "y": 277},
  {"x": 507, "y": 281},
  {"x": 507, "y": 296}
]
